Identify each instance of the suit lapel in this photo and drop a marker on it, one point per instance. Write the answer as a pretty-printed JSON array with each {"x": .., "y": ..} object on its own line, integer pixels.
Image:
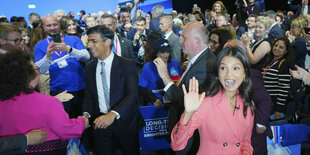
[
  {"x": 203, "y": 54},
  {"x": 92, "y": 81},
  {"x": 188, "y": 72},
  {"x": 114, "y": 76}
]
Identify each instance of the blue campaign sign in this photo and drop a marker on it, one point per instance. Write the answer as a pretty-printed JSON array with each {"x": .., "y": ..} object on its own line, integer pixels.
[
  {"x": 154, "y": 136},
  {"x": 286, "y": 133}
]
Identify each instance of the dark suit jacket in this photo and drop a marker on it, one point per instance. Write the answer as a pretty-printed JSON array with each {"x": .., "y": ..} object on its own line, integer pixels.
[
  {"x": 13, "y": 145},
  {"x": 123, "y": 93},
  {"x": 276, "y": 32},
  {"x": 202, "y": 70},
  {"x": 130, "y": 36},
  {"x": 154, "y": 24},
  {"x": 132, "y": 32},
  {"x": 263, "y": 105},
  {"x": 126, "y": 47}
]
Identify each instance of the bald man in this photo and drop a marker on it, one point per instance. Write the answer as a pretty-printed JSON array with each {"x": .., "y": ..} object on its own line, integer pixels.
[
  {"x": 194, "y": 42},
  {"x": 263, "y": 105},
  {"x": 62, "y": 60}
]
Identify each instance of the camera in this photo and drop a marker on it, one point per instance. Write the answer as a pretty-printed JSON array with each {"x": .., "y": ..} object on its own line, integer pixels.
[{"x": 142, "y": 37}]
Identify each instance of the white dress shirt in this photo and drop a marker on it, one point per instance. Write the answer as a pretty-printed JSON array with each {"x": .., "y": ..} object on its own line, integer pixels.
[
  {"x": 191, "y": 61},
  {"x": 101, "y": 99},
  {"x": 167, "y": 35}
]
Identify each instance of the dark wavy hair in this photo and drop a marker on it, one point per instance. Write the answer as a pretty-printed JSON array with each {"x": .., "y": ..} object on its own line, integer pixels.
[
  {"x": 289, "y": 55},
  {"x": 16, "y": 73},
  {"x": 223, "y": 35},
  {"x": 150, "y": 54},
  {"x": 245, "y": 89}
]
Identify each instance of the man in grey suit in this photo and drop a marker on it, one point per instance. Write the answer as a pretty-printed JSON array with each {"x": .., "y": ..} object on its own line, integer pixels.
[
  {"x": 194, "y": 41},
  {"x": 18, "y": 144},
  {"x": 165, "y": 25},
  {"x": 121, "y": 46}
]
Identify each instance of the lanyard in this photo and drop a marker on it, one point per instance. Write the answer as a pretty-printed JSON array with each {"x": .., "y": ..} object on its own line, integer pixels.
[
  {"x": 268, "y": 67},
  {"x": 116, "y": 45},
  {"x": 251, "y": 10},
  {"x": 59, "y": 54}
]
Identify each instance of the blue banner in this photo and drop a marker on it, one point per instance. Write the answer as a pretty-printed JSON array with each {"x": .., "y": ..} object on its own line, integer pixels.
[
  {"x": 275, "y": 147},
  {"x": 154, "y": 136}
]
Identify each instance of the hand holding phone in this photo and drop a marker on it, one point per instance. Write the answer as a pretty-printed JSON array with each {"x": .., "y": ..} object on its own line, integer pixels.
[{"x": 56, "y": 38}]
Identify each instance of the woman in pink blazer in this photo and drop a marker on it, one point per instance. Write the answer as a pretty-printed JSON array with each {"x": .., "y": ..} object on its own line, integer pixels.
[
  {"x": 22, "y": 109},
  {"x": 225, "y": 117}
]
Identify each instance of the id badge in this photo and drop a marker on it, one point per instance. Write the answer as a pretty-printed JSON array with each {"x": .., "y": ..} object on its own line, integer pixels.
[{"x": 62, "y": 64}]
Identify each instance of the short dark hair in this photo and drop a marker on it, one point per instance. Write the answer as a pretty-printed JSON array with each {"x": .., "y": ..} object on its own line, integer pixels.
[
  {"x": 83, "y": 12},
  {"x": 140, "y": 18},
  {"x": 104, "y": 32},
  {"x": 16, "y": 73},
  {"x": 32, "y": 14},
  {"x": 109, "y": 16},
  {"x": 253, "y": 15}
]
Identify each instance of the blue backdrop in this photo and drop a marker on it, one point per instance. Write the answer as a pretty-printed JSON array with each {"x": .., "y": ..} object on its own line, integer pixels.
[{"x": 43, "y": 7}]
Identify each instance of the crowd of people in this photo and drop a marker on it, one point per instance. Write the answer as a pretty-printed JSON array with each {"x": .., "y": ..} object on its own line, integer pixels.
[{"x": 223, "y": 77}]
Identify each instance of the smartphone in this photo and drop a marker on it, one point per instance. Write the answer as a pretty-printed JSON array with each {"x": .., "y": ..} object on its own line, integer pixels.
[
  {"x": 195, "y": 6},
  {"x": 307, "y": 30},
  {"x": 56, "y": 38}
]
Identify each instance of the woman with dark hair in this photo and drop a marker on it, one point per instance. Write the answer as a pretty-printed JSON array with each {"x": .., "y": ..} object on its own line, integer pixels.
[
  {"x": 150, "y": 79},
  {"x": 37, "y": 34},
  {"x": 68, "y": 26},
  {"x": 218, "y": 38},
  {"x": 22, "y": 109},
  {"x": 225, "y": 117},
  {"x": 277, "y": 76}
]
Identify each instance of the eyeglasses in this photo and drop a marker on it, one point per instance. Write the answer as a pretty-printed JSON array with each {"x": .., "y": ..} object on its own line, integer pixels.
[
  {"x": 213, "y": 42},
  {"x": 16, "y": 41}
]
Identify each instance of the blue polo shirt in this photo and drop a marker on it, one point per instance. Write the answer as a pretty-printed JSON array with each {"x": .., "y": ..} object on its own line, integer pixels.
[{"x": 70, "y": 77}]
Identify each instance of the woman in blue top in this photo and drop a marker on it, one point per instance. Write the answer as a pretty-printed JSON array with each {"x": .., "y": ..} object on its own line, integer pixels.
[{"x": 149, "y": 78}]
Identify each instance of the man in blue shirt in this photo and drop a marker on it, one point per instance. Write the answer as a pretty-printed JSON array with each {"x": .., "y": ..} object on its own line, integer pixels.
[{"x": 62, "y": 60}]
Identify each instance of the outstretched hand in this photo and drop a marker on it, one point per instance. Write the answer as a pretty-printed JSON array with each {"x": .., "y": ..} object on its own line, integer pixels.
[{"x": 192, "y": 99}]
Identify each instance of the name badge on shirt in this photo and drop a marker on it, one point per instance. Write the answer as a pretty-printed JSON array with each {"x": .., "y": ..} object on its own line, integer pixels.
[{"x": 62, "y": 63}]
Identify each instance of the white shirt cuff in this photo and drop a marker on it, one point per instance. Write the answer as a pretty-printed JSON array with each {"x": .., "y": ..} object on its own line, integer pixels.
[
  {"x": 117, "y": 114},
  {"x": 260, "y": 126},
  {"x": 168, "y": 86},
  {"x": 87, "y": 114}
]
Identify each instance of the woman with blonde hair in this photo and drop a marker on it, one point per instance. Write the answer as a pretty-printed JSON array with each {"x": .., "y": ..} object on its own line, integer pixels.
[
  {"x": 295, "y": 35},
  {"x": 257, "y": 50}
]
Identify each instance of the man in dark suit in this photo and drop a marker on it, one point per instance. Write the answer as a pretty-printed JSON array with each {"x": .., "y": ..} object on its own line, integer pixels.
[
  {"x": 275, "y": 31},
  {"x": 194, "y": 41},
  {"x": 263, "y": 105},
  {"x": 299, "y": 10},
  {"x": 158, "y": 11},
  {"x": 33, "y": 18},
  {"x": 121, "y": 46},
  {"x": 111, "y": 96},
  {"x": 139, "y": 33},
  {"x": 18, "y": 144}
]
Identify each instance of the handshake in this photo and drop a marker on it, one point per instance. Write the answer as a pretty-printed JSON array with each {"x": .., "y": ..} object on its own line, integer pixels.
[{"x": 86, "y": 119}]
